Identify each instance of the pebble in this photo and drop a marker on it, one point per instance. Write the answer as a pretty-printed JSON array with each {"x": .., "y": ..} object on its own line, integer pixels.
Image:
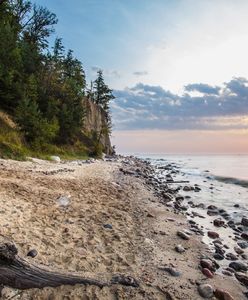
[
  {"x": 218, "y": 222},
  {"x": 206, "y": 291},
  {"x": 213, "y": 235},
  {"x": 212, "y": 212},
  {"x": 238, "y": 266},
  {"x": 218, "y": 256},
  {"x": 172, "y": 271},
  {"x": 227, "y": 273},
  {"x": 231, "y": 256},
  {"x": 183, "y": 235},
  {"x": 238, "y": 250},
  {"x": 222, "y": 295},
  {"x": 207, "y": 273},
  {"x": 243, "y": 278},
  {"x": 244, "y": 236},
  {"x": 108, "y": 226},
  {"x": 208, "y": 264},
  {"x": 32, "y": 253},
  {"x": 242, "y": 244},
  {"x": 180, "y": 249},
  {"x": 244, "y": 221},
  {"x": 149, "y": 215}
]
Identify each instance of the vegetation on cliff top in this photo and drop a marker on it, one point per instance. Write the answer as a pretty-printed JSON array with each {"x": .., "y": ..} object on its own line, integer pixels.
[{"x": 43, "y": 88}]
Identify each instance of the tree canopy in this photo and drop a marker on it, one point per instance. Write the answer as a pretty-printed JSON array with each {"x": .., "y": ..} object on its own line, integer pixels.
[{"x": 42, "y": 87}]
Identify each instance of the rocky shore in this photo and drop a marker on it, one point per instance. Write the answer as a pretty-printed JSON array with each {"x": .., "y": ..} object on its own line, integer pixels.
[{"x": 119, "y": 215}]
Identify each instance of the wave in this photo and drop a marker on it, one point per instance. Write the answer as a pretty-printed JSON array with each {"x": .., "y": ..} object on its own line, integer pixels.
[{"x": 232, "y": 180}]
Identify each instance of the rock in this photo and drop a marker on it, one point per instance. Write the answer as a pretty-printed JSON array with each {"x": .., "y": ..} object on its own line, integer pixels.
[
  {"x": 108, "y": 226},
  {"x": 244, "y": 236},
  {"x": 231, "y": 256},
  {"x": 32, "y": 253},
  {"x": 222, "y": 295},
  {"x": 242, "y": 244},
  {"x": 179, "y": 198},
  {"x": 238, "y": 266},
  {"x": 213, "y": 235},
  {"x": 179, "y": 249},
  {"x": 206, "y": 291},
  {"x": 188, "y": 188},
  {"x": 227, "y": 273},
  {"x": 212, "y": 207},
  {"x": 218, "y": 256},
  {"x": 238, "y": 250},
  {"x": 149, "y": 215},
  {"x": 244, "y": 221},
  {"x": 183, "y": 235},
  {"x": 212, "y": 212},
  {"x": 207, "y": 273},
  {"x": 197, "y": 189},
  {"x": 63, "y": 201},
  {"x": 243, "y": 278},
  {"x": 236, "y": 205},
  {"x": 207, "y": 264},
  {"x": 55, "y": 159},
  {"x": 218, "y": 222},
  {"x": 172, "y": 271}
]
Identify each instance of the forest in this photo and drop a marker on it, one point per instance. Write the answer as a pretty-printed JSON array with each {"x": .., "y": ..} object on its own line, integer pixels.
[{"x": 42, "y": 86}]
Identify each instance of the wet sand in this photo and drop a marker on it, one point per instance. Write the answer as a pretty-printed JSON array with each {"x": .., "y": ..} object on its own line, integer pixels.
[{"x": 111, "y": 223}]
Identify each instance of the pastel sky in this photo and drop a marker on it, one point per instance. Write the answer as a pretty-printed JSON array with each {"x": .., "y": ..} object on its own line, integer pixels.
[{"x": 179, "y": 69}]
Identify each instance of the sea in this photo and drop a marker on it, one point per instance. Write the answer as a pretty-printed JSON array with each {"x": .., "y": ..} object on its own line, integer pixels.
[{"x": 223, "y": 180}]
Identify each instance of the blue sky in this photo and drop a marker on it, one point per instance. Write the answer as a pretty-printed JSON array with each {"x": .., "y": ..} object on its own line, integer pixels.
[{"x": 174, "y": 65}]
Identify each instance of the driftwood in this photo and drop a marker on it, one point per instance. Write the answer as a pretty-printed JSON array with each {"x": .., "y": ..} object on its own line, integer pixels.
[
  {"x": 17, "y": 273},
  {"x": 180, "y": 181}
]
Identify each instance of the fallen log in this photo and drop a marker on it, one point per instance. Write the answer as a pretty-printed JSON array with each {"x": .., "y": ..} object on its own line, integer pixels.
[{"x": 18, "y": 273}]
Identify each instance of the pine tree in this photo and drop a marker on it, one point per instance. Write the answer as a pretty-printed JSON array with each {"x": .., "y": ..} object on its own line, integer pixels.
[{"x": 102, "y": 96}]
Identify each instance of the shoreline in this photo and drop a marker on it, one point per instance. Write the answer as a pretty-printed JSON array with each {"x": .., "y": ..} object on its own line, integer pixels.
[{"x": 103, "y": 217}]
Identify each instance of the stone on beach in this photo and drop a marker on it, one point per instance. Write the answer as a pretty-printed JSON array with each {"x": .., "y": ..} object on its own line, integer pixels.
[
  {"x": 207, "y": 273},
  {"x": 238, "y": 266},
  {"x": 244, "y": 236},
  {"x": 108, "y": 226},
  {"x": 180, "y": 249},
  {"x": 242, "y": 244},
  {"x": 55, "y": 159},
  {"x": 183, "y": 235},
  {"x": 63, "y": 201},
  {"x": 213, "y": 235},
  {"x": 207, "y": 264},
  {"x": 222, "y": 295},
  {"x": 244, "y": 221},
  {"x": 218, "y": 222},
  {"x": 172, "y": 271},
  {"x": 243, "y": 278},
  {"x": 32, "y": 253},
  {"x": 206, "y": 291}
]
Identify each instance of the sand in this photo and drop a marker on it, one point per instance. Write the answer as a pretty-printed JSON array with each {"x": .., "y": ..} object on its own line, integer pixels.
[{"x": 72, "y": 238}]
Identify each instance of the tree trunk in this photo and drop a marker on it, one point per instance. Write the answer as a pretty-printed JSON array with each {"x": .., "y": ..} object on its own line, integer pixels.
[{"x": 17, "y": 273}]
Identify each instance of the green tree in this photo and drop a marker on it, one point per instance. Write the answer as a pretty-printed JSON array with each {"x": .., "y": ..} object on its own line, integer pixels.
[{"x": 102, "y": 96}]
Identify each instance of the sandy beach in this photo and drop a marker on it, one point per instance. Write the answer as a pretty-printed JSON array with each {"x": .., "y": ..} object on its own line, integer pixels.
[{"x": 93, "y": 219}]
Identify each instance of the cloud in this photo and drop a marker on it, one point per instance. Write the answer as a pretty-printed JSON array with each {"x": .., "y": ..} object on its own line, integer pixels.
[
  {"x": 153, "y": 107},
  {"x": 140, "y": 73},
  {"x": 106, "y": 72},
  {"x": 203, "y": 88}
]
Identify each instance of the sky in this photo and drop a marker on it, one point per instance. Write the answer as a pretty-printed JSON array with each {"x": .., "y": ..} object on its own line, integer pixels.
[{"x": 178, "y": 68}]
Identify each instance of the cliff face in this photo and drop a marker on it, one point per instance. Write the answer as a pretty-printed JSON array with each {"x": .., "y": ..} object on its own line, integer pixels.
[{"x": 95, "y": 125}]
